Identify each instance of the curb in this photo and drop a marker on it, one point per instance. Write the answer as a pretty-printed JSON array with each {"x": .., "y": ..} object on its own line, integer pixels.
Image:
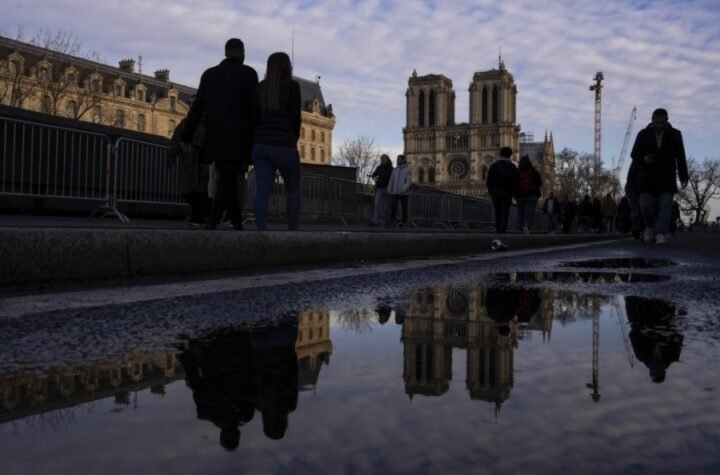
[{"x": 59, "y": 255}]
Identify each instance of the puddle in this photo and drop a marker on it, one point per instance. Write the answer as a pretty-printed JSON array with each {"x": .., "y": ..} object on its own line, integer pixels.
[
  {"x": 465, "y": 370},
  {"x": 621, "y": 263},
  {"x": 577, "y": 277}
]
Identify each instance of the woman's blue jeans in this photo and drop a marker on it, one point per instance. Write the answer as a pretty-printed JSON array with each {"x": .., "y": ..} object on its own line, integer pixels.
[{"x": 267, "y": 159}]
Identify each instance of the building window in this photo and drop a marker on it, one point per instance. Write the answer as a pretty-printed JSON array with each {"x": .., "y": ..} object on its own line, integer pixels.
[
  {"x": 17, "y": 98},
  {"x": 421, "y": 109},
  {"x": 140, "y": 95},
  {"x": 72, "y": 109},
  {"x": 171, "y": 127},
  {"x": 431, "y": 112},
  {"x": 173, "y": 103},
  {"x": 312, "y": 135},
  {"x": 119, "y": 118},
  {"x": 312, "y": 154},
  {"x": 141, "y": 122},
  {"x": 95, "y": 85},
  {"x": 322, "y": 155},
  {"x": 71, "y": 79},
  {"x": 302, "y": 132},
  {"x": 421, "y": 175},
  {"x": 484, "y": 105},
  {"x": 44, "y": 74},
  {"x": 118, "y": 90},
  {"x": 431, "y": 175},
  {"x": 97, "y": 114},
  {"x": 322, "y": 137},
  {"x": 15, "y": 67},
  {"x": 483, "y": 173},
  {"x": 495, "y": 105},
  {"x": 302, "y": 151},
  {"x": 45, "y": 104}
]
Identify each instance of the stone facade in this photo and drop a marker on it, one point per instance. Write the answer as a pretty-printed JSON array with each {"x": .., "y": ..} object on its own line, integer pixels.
[
  {"x": 456, "y": 157},
  {"x": 42, "y": 80}
]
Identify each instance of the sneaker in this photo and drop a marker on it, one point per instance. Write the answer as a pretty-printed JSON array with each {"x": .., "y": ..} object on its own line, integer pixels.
[
  {"x": 660, "y": 239},
  {"x": 526, "y": 230},
  {"x": 648, "y": 235},
  {"x": 193, "y": 224}
]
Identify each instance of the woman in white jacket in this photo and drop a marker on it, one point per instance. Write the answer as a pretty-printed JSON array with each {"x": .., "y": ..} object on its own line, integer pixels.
[{"x": 399, "y": 188}]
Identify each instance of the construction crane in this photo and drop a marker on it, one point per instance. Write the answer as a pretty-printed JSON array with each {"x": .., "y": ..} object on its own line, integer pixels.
[
  {"x": 617, "y": 168},
  {"x": 597, "y": 87}
]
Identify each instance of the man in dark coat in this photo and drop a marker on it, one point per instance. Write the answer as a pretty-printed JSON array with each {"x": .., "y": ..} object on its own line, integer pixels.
[
  {"x": 226, "y": 97},
  {"x": 502, "y": 185},
  {"x": 660, "y": 157}
]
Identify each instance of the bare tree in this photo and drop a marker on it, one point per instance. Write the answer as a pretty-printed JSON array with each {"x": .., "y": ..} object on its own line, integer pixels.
[
  {"x": 360, "y": 153},
  {"x": 57, "y": 86},
  {"x": 703, "y": 185},
  {"x": 579, "y": 174},
  {"x": 359, "y": 321}
]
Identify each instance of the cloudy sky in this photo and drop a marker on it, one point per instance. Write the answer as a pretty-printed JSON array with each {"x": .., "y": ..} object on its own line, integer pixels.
[{"x": 653, "y": 54}]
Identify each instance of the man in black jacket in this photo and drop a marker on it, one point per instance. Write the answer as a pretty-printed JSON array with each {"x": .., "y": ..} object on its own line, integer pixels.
[
  {"x": 502, "y": 185},
  {"x": 226, "y": 97},
  {"x": 659, "y": 155}
]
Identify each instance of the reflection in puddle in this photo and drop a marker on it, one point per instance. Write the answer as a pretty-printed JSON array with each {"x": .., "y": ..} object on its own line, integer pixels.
[
  {"x": 510, "y": 342},
  {"x": 577, "y": 277},
  {"x": 621, "y": 263}
]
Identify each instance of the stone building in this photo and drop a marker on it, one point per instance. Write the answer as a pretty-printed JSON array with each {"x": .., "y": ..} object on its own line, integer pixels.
[
  {"x": 42, "y": 80},
  {"x": 456, "y": 157},
  {"x": 439, "y": 320}
]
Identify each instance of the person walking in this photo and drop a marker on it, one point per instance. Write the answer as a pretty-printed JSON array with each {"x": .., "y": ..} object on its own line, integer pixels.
[
  {"x": 660, "y": 154},
  {"x": 529, "y": 185},
  {"x": 568, "y": 210},
  {"x": 381, "y": 175},
  {"x": 276, "y": 139},
  {"x": 226, "y": 98},
  {"x": 609, "y": 210},
  {"x": 194, "y": 172},
  {"x": 586, "y": 214},
  {"x": 551, "y": 208},
  {"x": 502, "y": 185},
  {"x": 399, "y": 189}
]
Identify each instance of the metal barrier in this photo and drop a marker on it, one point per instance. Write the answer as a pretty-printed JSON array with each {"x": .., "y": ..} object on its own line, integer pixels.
[
  {"x": 321, "y": 197},
  {"x": 143, "y": 173},
  {"x": 43, "y": 160}
]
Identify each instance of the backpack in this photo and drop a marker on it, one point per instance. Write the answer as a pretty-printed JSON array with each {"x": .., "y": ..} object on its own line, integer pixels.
[{"x": 527, "y": 184}]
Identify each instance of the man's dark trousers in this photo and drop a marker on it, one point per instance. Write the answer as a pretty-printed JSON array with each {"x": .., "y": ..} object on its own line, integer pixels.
[
  {"x": 502, "y": 204},
  {"x": 230, "y": 193}
]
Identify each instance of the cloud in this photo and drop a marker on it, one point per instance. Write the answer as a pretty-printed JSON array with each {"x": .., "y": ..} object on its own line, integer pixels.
[{"x": 661, "y": 53}]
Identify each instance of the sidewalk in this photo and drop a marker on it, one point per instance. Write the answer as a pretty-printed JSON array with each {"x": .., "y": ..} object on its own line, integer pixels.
[{"x": 37, "y": 249}]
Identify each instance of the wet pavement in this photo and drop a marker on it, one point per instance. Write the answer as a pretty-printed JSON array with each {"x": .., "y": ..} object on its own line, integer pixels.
[{"x": 583, "y": 359}]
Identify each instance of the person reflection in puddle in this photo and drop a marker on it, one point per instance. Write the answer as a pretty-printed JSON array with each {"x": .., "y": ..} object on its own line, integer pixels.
[
  {"x": 501, "y": 305},
  {"x": 654, "y": 335},
  {"x": 234, "y": 372},
  {"x": 275, "y": 369},
  {"x": 219, "y": 373},
  {"x": 383, "y": 312}
]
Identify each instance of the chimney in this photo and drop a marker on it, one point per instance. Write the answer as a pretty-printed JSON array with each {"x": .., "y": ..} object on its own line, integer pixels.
[
  {"x": 127, "y": 65},
  {"x": 162, "y": 75}
]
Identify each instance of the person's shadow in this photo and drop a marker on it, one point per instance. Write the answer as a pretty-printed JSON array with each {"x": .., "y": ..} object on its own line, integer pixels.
[
  {"x": 654, "y": 334},
  {"x": 234, "y": 372}
]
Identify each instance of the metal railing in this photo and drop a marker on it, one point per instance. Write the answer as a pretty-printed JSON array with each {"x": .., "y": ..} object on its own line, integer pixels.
[
  {"x": 45, "y": 160},
  {"x": 50, "y": 161}
]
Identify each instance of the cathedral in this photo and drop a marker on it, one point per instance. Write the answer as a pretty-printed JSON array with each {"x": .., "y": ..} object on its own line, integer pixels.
[{"x": 456, "y": 157}]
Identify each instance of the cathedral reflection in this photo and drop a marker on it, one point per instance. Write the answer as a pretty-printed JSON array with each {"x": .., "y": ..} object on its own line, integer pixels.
[{"x": 486, "y": 322}]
